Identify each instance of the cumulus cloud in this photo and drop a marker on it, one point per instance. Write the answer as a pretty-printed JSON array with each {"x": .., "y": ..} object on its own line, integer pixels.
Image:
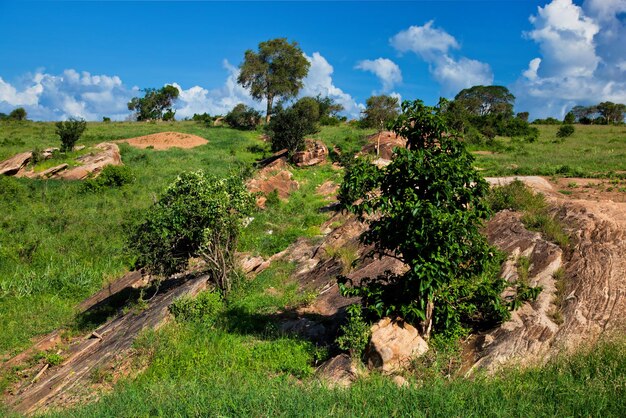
[
  {"x": 386, "y": 70},
  {"x": 434, "y": 46},
  {"x": 582, "y": 57},
  {"x": 319, "y": 81},
  {"x": 69, "y": 94}
]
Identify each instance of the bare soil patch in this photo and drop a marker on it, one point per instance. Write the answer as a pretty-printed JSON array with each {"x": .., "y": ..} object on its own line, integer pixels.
[{"x": 166, "y": 140}]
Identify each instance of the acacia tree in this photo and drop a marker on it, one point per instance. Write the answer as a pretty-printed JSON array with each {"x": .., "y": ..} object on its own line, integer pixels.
[
  {"x": 613, "y": 113},
  {"x": 275, "y": 71},
  {"x": 155, "y": 104},
  {"x": 379, "y": 111},
  {"x": 486, "y": 100},
  {"x": 425, "y": 209}
]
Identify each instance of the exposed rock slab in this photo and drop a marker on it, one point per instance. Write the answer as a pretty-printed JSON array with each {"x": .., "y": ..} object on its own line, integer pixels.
[
  {"x": 14, "y": 164},
  {"x": 382, "y": 145},
  {"x": 274, "y": 177},
  {"x": 393, "y": 345},
  {"x": 315, "y": 153},
  {"x": 92, "y": 164},
  {"x": 338, "y": 371}
]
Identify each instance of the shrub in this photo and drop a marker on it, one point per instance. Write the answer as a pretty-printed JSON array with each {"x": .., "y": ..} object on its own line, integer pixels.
[
  {"x": 111, "y": 176},
  {"x": 565, "y": 131},
  {"x": 18, "y": 114},
  {"x": 69, "y": 132},
  {"x": 243, "y": 117},
  {"x": 197, "y": 216},
  {"x": 288, "y": 127},
  {"x": 203, "y": 308},
  {"x": 429, "y": 208},
  {"x": 355, "y": 334},
  {"x": 106, "y": 119}
]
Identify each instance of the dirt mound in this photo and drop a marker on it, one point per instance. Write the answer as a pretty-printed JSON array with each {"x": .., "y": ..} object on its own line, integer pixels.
[
  {"x": 166, "y": 140},
  {"x": 384, "y": 142}
]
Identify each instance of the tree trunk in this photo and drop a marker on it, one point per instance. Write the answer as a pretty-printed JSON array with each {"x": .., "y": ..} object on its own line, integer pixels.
[
  {"x": 270, "y": 101},
  {"x": 426, "y": 326}
]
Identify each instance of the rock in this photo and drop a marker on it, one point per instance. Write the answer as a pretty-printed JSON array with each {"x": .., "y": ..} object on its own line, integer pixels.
[
  {"x": 393, "y": 345},
  {"x": 51, "y": 171},
  {"x": 316, "y": 152},
  {"x": 400, "y": 381},
  {"x": 382, "y": 144},
  {"x": 108, "y": 154},
  {"x": 14, "y": 164},
  {"x": 328, "y": 189},
  {"x": 338, "y": 371},
  {"x": 253, "y": 265},
  {"x": 273, "y": 177},
  {"x": 305, "y": 328}
]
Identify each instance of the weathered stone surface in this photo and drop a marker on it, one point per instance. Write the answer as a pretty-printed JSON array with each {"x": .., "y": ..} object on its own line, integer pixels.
[
  {"x": 14, "y": 164},
  {"x": 393, "y": 345},
  {"x": 305, "y": 328},
  {"x": 253, "y": 265},
  {"x": 92, "y": 164},
  {"x": 338, "y": 371},
  {"x": 382, "y": 145},
  {"x": 274, "y": 176},
  {"x": 52, "y": 171},
  {"x": 315, "y": 153}
]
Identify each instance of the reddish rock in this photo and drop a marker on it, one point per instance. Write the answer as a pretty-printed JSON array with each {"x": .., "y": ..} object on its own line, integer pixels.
[
  {"x": 92, "y": 164},
  {"x": 14, "y": 164},
  {"x": 315, "y": 153},
  {"x": 273, "y": 177},
  {"x": 382, "y": 144},
  {"x": 393, "y": 345}
]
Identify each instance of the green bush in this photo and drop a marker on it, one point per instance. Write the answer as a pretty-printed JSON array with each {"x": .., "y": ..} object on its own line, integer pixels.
[
  {"x": 205, "y": 308},
  {"x": 565, "y": 131},
  {"x": 197, "y": 216},
  {"x": 355, "y": 334},
  {"x": 243, "y": 117},
  {"x": 111, "y": 176},
  {"x": 288, "y": 127},
  {"x": 70, "y": 132}
]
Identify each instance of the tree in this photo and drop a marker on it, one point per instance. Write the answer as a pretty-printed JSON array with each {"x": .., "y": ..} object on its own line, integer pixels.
[
  {"x": 275, "y": 71},
  {"x": 486, "y": 100},
  {"x": 70, "y": 132},
  {"x": 288, "y": 127},
  {"x": 569, "y": 118},
  {"x": 243, "y": 117},
  {"x": 197, "y": 216},
  {"x": 613, "y": 113},
  {"x": 523, "y": 116},
  {"x": 428, "y": 206},
  {"x": 379, "y": 111},
  {"x": 154, "y": 103},
  {"x": 18, "y": 114},
  {"x": 328, "y": 110}
]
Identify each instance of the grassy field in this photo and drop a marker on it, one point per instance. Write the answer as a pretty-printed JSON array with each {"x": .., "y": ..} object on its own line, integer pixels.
[
  {"x": 59, "y": 243},
  {"x": 592, "y": 151}
]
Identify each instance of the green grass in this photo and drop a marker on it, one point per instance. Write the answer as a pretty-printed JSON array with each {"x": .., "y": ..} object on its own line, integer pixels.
[{"x": 592, "y": 151}]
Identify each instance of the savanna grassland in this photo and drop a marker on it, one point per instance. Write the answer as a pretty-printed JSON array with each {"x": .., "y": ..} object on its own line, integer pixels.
[{"x": 61, "y": 242}]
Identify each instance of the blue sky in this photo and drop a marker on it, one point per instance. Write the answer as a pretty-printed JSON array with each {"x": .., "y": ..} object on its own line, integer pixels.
[{"x": 61, "y": 59}]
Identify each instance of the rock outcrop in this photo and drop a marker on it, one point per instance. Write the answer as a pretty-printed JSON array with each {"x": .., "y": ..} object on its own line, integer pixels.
[
  {"x": 315, "y": 153},
  {"x": 93, "y": 163},
  {"x": 14, "y": 164},
  {"x": 338, "y": 371},
  {"x": 393, "y": 345},
  {"x": 274, "y": 177}
]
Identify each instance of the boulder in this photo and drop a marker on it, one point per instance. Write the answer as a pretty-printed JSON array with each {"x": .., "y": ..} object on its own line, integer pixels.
[
  {"x": 338, "y": 371},
  {"x": 315, "y": 153},
  {"x": 253, "y": 265},
  {"x": 382, "y": 144},
  {"x": 274, "y": 176},
  {"x": 393, "y": 345},
  {"x": 14, "y": 164},
  {"x": 93, "y": 163}
]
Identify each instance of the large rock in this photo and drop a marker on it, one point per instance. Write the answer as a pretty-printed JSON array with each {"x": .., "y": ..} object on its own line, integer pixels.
[
  {"x": 92, "y": 164},
  {"x": 393, "y": 345},
  {"x": 315, "y": 153},
  {"x": 338, "y": 371},
  {"x": 14, "y": 164},
  {"x": 382, "y": 145},
  {"x": 274, "y": 176}
]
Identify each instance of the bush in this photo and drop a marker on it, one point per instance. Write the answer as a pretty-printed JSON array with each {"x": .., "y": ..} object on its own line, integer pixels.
[
  {"x": 565, "y": 131},
  {"x": 106, "y": 119},
  {"x": 355, "y": 334},
  {"x": 197, "y": 216},
  {"x": 243, "y": 117},
  {"x": 111, "y": 176},
  {"x": 69, "y": 132},
  {"x": 288, "y": 127},
  {"x": 18, "y": 114},
  {"x": 204, "y": 308}
]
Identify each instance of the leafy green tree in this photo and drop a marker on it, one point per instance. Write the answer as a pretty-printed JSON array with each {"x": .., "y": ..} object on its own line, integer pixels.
[
  {"x": 154, "y": 103},
  {"x": 197, "y": 216},
  {"x": 275, "y": 71},
  {"x": 565, "y": 131},
  {"x": 243, "y": 117},
  {"x": 569, "y": 118},
  {"x": 69, "y": 132},
  {"x": 613, "y": 113},
  {"x": 486, "y": 100},
  {"x": 18, "y": 114},
  {"x": 425, "y": 209},
  {"x": 523, "y": 116},
  {"x": 288, "y": 127},
  {"x": 328, "y": 110},
  {"x": 379, "y": 111}
]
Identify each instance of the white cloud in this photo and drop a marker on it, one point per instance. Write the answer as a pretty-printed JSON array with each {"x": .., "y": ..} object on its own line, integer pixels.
[
  {"x": 319, "y": 81},
  {"x": 386, "y": 70},
  {"x": 433, "y": 45},
  {"x": 424, "y": 40},
  {"x": 456, "y": 75},
  {"x": 583, "y": 58}
]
